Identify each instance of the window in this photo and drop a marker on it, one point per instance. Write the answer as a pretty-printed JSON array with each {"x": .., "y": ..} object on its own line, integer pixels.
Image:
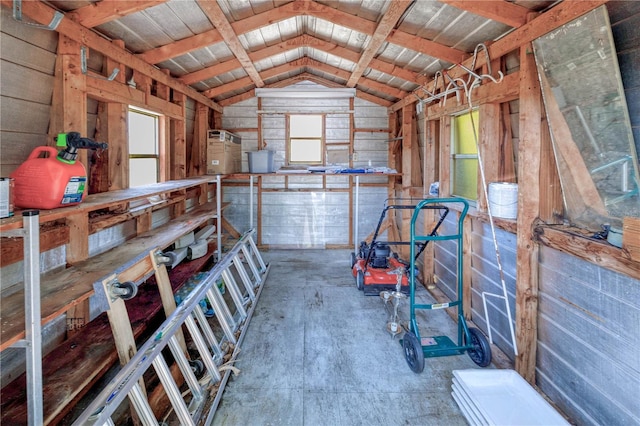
[
  {"x": 306, "y": 144},
  {"x": 143, "y": 148},
  {"x": 464, "y": 155}
]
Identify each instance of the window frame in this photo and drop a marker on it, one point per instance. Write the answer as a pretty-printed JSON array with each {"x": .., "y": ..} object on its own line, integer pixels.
[
  {"x": 157, "y": 136},
  {"x": 321, "y": 140},
  {"x": 474, "y": 117}
]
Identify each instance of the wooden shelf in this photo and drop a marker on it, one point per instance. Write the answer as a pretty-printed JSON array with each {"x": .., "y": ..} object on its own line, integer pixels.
[
  {"x": 130, "y": 261},
  {"x": 107, "y": 199}
]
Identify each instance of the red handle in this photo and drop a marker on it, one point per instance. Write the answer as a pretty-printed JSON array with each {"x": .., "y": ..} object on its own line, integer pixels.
[{"x": 41, "y": 150}]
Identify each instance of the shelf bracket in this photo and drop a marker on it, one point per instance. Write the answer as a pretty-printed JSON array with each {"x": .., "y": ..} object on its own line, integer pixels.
[{"x": 53, "y": 25}]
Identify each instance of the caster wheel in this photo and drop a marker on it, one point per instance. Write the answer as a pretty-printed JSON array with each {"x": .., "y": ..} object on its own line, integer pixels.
[
  {"x": 197, "y": 366},
  {"x": 481, "y": 352},
  {"x": 127, "y": 290},
  {"x": 170, "y": 258},
  {"x": 413, "y": 352},
  {"x": 360, "y": 280}
]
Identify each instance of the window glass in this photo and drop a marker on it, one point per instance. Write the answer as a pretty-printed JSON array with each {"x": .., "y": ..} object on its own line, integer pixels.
[
  {"x": 143, "y": 148},
  {"x": 305, "y": 139},
  {"x": 464, "y": 156}
]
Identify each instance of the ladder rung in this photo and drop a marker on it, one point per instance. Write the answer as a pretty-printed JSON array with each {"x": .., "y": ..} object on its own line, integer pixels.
[
  {"x": 172, "y": 391},
  {"x": 208, "y": 335},
  {"x": 201, "y": 345},
  {"x": 185, "y": 368},
  {"x": 222, "y": 313},
  {"x": 235, "y": 293}
]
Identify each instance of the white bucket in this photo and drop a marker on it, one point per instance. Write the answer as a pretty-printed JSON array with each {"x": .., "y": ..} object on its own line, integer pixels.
[{"x": 503, "y": 199}]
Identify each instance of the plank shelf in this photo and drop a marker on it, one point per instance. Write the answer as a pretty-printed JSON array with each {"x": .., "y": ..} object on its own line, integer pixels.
[
  {"x": 129, "y": 261},
  {"x": 108, "y": 199}
]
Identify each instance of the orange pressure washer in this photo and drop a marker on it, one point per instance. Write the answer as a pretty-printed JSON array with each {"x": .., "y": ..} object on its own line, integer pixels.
[{"x": 376, "y": 267}]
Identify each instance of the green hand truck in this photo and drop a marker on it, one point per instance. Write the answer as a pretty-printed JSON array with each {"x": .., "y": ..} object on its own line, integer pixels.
[{"x": 470, "y": 340}]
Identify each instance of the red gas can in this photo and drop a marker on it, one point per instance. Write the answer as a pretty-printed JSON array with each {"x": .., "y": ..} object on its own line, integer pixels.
[{"x": 46, "y": 182}]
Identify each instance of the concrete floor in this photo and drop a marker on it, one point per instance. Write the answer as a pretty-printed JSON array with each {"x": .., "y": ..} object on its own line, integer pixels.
[{"x": 317, "y": 353}]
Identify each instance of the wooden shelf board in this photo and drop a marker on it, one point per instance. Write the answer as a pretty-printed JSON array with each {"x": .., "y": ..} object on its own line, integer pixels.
[
  {"x": 62, "y": 290},
  {"x": 106, "y": 199}
]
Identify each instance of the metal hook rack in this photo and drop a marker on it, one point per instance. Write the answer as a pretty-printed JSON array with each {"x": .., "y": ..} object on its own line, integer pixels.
[
  {"x": 52, "y": 26},
  {"x": 455, "y": 85}
]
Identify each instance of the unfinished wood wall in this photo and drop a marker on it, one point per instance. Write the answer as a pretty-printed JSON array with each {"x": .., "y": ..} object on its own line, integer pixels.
[
  {"x": 588, "y": 337},
  {"x": 28, "y": 59}
]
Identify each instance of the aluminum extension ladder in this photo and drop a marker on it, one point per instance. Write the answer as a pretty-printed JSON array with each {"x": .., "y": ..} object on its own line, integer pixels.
[{"x": 203, "y": 396}]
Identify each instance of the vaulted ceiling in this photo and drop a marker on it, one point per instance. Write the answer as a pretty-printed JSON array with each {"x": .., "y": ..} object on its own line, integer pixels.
[{"x": 226, "y": 48}]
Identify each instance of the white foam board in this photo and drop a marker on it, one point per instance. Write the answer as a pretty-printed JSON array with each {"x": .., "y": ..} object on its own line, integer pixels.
[
  {"x": 503, "y": 397},
  {"x": 465, "y": 410},
  {"x": 470, "y": 405}
]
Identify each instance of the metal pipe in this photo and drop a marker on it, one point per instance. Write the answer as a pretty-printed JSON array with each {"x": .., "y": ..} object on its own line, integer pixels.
[{"x": 32, "y": 316}]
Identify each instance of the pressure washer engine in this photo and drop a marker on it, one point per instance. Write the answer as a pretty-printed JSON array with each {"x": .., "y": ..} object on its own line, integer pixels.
[{"x": 376, "y": 267}]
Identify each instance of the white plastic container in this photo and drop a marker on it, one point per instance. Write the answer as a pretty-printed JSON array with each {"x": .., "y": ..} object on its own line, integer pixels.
[
  {"x": 503, "y": 199},
  {"x": 261, "y": 161}
]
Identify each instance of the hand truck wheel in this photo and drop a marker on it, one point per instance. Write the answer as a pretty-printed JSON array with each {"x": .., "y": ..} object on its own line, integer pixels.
[
  {"x": 413, "y": 352},
  {"x": 481, "y": 352}
]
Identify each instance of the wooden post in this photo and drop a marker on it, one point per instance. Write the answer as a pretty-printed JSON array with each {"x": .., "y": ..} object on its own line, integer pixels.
[
  {"x": 178, "y": 141},
  {"x": 489, "y": 150},
  {"x": 197, "y": 163},
  {"x": 445, "y": 156},
  {"x": 526, "y": 315},
  {"x": 408, "y": 161},
  {"x": 431, "y": 165}
]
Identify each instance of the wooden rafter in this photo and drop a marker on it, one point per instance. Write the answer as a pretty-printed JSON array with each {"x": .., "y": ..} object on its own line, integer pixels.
[
  {"x": 96, "y": 14},
  {"x": 304, "y": 40},
  {"x": 387, "y": 23},
  {"x": 302, "y": 63},
  {"x": 182, "y": 47},
  {"x": 427, "y": 47},
  {"x": 497, "y": 10},
  {"x": 216, "y": 16},
  {"x": 306, "y": 76},
  {"x": 305, "y": 8}
]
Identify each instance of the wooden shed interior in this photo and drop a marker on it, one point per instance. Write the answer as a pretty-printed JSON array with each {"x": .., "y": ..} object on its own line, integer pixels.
[{"x": 414, "y": 99}]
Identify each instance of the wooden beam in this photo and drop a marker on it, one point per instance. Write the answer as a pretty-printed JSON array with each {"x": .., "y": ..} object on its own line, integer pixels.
[
  {"x": 407, "y": 173},
  {"x": 526, "y": 315},
  {"x": 304, "y": 40},
  {"x": 95, "y": 14},
  {"x": 198, "y": 160},
  {"x": 631, "y": 237},
  {"x": 427, "y": 47},
  {"x": 497, "y": 10},
  {"x": 179, "y": 144},
  {"x": 216, "y": 16},
  {"x": 43, "y": 14},
  {"x": 210, "y": 72},
  {"x": 489, "y": 150},
  {"x": 598, "y": 252},
  {"x": 181, "y": 47},
  {"x": 389, "y": 20},
  {"x": 12, "y": 249}
]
